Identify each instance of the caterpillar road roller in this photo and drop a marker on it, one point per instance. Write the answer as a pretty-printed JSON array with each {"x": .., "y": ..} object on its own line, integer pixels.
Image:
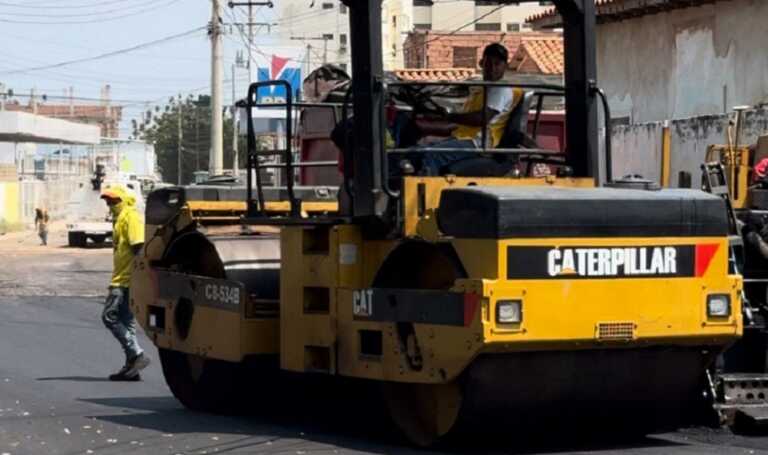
[{"x": 484, "y": 294}]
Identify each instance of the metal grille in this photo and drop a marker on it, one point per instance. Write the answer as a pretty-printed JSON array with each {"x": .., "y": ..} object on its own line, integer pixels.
[{"x": 615, "y": 330}]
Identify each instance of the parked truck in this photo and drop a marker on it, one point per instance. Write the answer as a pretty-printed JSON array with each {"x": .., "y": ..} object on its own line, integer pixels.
[{"x": 89, "y": 220}]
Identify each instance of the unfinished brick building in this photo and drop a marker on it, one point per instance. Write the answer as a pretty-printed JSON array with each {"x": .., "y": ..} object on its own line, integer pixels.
[{"x": 427, "y": 49}]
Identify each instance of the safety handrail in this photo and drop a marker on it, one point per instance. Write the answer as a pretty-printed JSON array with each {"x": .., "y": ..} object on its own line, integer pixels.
[{"x": 253, "y": 162}]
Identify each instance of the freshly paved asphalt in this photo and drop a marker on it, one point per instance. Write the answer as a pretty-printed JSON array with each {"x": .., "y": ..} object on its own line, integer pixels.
[{"x": 54, "y": 398}]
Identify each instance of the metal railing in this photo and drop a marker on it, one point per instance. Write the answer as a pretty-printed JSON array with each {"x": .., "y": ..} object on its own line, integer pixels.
[{"x": 256, "y": 208}]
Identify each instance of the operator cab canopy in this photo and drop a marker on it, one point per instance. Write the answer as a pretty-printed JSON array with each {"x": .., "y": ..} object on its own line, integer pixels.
[{"x": 368, "y": 100}]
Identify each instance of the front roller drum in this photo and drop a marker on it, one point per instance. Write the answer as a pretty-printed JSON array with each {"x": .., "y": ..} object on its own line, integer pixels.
[{"x": 424, "y": 413}]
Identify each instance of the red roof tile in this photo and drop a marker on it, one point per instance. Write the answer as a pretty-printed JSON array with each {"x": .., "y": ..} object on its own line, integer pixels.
[
  {"x": 616, "y": 10},
  {"x": 539, "y": 56}
]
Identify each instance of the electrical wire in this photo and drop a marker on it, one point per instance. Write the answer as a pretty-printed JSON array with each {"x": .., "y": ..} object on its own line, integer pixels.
[
  {"x": 40, "y": 6},
  {"x": 107, "y": 54},
  {"x": 80, "y": 15},
  {"x": 95, "y": 20}
]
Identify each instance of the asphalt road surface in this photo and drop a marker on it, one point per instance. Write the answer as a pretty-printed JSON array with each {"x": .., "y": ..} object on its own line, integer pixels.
[{"x": 55, "y": 399}]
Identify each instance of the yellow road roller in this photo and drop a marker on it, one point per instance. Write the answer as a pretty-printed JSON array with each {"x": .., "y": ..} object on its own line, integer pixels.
[{"x": 490, "y": 291}]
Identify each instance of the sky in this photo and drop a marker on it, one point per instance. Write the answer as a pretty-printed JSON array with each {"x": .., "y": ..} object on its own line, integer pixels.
[{"x": 35, "y": 33}]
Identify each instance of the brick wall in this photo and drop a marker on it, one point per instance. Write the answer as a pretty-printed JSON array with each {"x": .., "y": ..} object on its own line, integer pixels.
[{"x": 438, "y": 47}]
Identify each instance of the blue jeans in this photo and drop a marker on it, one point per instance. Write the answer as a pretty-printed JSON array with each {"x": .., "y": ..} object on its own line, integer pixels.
[
  {"x": 433, "y": 162},
  {"x": 118, "y": 318}
]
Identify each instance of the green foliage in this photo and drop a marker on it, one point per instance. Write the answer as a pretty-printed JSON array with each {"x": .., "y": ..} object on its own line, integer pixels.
[{"x": 161, "y": 129}]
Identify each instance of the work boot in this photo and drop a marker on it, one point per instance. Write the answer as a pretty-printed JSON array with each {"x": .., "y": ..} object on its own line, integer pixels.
[
  {"x": 136, "y": 364},
  {"x": 124, "y": 375}
]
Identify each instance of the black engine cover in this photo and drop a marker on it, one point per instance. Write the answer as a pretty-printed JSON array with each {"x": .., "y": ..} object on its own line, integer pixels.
[{"x": 530, "y": 212}]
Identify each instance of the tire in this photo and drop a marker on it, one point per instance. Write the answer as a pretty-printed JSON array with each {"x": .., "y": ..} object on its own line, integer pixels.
[
  {"x": 77, "y": 239},
  {"x": 206, "y": 385}
]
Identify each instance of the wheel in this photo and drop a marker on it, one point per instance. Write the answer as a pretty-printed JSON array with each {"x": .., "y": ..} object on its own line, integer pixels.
[
  {"x": 98, "y": 239},
  {"x": 201, "y": 384},
  {"x": 77, "y": 239},
  {"x": 423, "y": 413}
]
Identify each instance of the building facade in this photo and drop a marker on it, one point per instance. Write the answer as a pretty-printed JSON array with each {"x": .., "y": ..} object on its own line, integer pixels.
[
  {"x": 313, "y": 32},
  {"x": 427, "y": 49},
  {"x": 400, "y": 17},
  {"x": 679, "y": 59},
  {"x": 316, "y": 31}
]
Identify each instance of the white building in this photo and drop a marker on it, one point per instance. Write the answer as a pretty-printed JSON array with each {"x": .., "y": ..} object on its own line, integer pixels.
[
  {"x": 674, "y": 60},
  {"x": 319, "y": 27}
]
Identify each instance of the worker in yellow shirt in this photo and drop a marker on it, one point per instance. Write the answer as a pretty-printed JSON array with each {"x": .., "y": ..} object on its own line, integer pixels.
[
  {"x": 127, "y": 238},
  {"x": 466, "y": 127}
]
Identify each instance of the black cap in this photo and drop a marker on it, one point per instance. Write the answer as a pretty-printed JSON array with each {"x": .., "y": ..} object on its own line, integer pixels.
[{"x": 496, "y": 50}]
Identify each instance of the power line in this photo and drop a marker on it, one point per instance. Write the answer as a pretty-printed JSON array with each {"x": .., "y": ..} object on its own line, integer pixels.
[
  {"x": 92, "y": 21},
  {"x": 90, "y": 14},
  {"x": 39, "y": 6},
  {"x": 106, "y": 55}
]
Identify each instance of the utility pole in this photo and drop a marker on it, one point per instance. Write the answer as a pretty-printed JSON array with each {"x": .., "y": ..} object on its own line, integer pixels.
[
  {"x": 323, "y": 38},
  {"x": 235, "y": 163},
  {"x": 251, "y": 23},
  {"x": 217, "y": 133},
  {"x": 179, "y": 147},
  {"x": 197, "y": 137},
  {"x": 250, "y": 44}
]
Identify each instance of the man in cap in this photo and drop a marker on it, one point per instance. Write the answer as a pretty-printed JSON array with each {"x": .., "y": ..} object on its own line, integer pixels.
[
  {"x": 127, "y": 238},
  {"x": 490, "y": 112}
]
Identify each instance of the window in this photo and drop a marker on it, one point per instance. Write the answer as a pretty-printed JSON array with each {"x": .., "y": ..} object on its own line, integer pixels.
[
  {"x": 342, "y": 8},
  {"x": 327, "y": 5},
  {"x": 343, "y": 66},
  {"x": 422, "y": 2},
  {"x": 513, "y": 26},
  {"x": 328, "y": 36},
  {"x": 343, "y": 39},
  {"x": 488, "y": 27},
  {"x": 464, "y": 57},
  {"x": 422, "y": 26}
]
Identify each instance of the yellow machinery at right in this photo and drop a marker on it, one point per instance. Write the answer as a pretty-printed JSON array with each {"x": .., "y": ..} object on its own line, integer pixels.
[{"x": 467, "y": 298}]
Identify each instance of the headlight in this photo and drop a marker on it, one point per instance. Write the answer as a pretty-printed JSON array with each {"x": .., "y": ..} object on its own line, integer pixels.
[
  {"x": 509, "y": 312},
  {"x": 719, "y": 305}
]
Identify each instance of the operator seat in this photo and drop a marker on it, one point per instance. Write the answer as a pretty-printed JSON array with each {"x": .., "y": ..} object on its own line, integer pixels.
[{"x": 514, "y": 136}]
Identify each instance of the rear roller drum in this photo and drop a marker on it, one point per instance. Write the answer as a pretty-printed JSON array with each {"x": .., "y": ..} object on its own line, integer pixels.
[
  {"x": 203, "y": 384},
  {"x": 424, "y": 413}
]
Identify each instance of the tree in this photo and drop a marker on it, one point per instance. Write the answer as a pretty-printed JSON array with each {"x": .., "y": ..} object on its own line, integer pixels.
[{"x": 161, "y": 129}]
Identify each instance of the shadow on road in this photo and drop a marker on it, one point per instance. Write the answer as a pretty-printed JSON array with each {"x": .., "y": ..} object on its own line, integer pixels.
[
  {"x": 75, "y": 379},
  {"x": 352, "y": 431}
]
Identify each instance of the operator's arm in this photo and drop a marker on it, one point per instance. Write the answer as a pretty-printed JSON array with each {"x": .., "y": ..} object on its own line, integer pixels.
[{"x": 472, "y": 118}]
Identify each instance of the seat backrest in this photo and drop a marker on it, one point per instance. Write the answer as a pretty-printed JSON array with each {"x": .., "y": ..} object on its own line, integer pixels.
[{"x": 517, "y": 122}]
